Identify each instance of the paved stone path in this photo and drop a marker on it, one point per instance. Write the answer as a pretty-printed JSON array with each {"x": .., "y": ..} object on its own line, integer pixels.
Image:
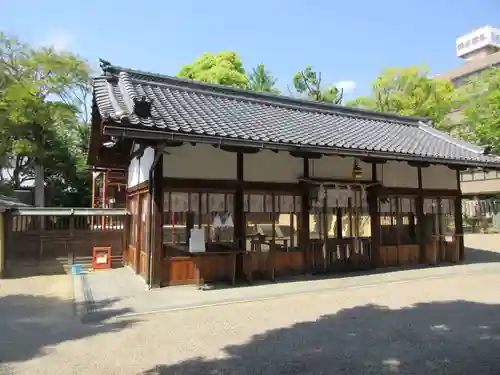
[
  {"x": 439, "y": 321},
  {"x": 438, "y": 325}
]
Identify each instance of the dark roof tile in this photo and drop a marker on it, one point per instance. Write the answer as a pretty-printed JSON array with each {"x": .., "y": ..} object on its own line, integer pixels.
[{"x": 190, "y": 107}]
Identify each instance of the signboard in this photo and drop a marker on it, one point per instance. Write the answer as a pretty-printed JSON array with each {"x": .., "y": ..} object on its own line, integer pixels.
[{"x": 477, "y": 39}]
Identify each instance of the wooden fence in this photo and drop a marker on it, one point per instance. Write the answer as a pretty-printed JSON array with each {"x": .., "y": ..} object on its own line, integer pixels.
[{"x": 41, "y": 240}]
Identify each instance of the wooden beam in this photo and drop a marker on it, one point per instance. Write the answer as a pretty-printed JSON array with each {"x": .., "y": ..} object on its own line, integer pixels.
[
  {"x": 372, "y": 198},
  {"x": 193, "y": 184},
  {"x": 157, "y": 222},
  {"x": 173, "y": 144},
  {"x": 459, "y": 225},
  {"x": 242, "y": 150},
  {"x": 239, "y": 213},
  {"x": 326, "y": 181},
  {"x": 444, "y": 193},
  {"x": 373, "y": 161},
  {"x": 458, "y": 167},
  {"x": 308, "y": 155},
  {"x": 304, "y": 214},
  {"x": 418, "y": 164},
  {"x": 419, "y": 207}
]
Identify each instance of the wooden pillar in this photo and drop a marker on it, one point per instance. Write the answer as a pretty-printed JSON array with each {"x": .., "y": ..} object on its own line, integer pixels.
[
  {"x": 157, "y": 222},
  {"x": 239, "y": 213},
  {"x": 372, "y": 198},
  {"x": 419, "y": 207},
  {"x": 2, "y": 244},
  {"x": 304, "y": 216},
  {"x": 7, "y": 243},
  {"x": 459, "y": 225}
]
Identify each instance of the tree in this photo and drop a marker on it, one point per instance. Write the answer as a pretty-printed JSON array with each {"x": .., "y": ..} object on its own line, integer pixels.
[
  {"x": 224, "y": 68},
  {"x": 43, "y": 104},
  {"x": 308, "y": 82},
  {"x": 409, "y": 91},
  {"x": 481, "y": 114},
  {"x": 262, "y": 80}
]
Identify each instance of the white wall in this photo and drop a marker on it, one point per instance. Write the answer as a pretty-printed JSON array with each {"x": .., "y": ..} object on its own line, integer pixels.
[
  {"x": 269, "y": 166},
  {"x": 133, "y": 173},
  {"x": 138, "y": 169},
  {"x": 439, "y": 177},
  {"x": 200, "y": 161},
  {"x": 398, "y": 174},
  {"x": 337, "y": 167}
]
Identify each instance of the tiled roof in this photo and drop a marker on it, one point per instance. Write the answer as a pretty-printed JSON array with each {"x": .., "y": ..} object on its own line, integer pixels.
[
  {"x": 189, "y": 108},
  {"x": 7, "y": 203}
]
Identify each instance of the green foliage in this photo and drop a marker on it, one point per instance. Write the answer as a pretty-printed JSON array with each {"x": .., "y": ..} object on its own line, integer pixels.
[
  {"x": 43, "y": 106},
  {"x": 409, "y": 91},
  {"x": 481, "y": 112},
  {"x": 262, "y": 80},
  {"x": 308, "y": 82},
  {"x": 224, "y": 68}
]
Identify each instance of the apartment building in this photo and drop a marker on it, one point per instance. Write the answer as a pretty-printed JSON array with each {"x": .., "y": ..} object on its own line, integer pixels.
[{"x": 480, "y": 50}]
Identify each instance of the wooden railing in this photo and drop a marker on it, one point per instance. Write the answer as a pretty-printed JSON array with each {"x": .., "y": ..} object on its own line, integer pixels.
[
  {"x": 398, "y": 255},
  {"x": 275, "y": 263},
  {"x": 182, "y": 267}
]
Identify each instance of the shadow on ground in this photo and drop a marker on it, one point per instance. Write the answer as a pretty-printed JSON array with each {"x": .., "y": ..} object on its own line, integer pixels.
[
  {"x": 457, "y": 337},
  {"x": 473, "y": 255},
  {"x": 30, "y": 325}
]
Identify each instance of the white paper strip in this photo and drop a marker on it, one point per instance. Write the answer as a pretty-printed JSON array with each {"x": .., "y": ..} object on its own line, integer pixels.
[
  {"x": 229, "y": 221},
  {"x": 217, "y": 222}
]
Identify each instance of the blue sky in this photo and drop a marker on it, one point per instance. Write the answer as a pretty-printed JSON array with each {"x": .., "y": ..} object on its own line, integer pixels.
[{"x": 348, "y": 41}]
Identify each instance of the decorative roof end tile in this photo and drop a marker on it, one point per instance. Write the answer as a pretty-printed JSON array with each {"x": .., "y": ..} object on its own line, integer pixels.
[{"x": 142, "y": 107}]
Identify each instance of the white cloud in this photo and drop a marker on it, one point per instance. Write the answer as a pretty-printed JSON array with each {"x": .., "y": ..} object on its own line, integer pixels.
[
  {"x": 347, "y": 86},
  {"x": 60, "y": 40}
]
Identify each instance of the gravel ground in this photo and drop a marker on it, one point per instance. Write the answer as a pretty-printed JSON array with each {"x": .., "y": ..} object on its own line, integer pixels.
[{"x": 440, "y": 326}]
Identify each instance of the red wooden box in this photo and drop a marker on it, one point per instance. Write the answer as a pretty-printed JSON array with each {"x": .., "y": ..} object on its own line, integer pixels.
[{"x": 101, "y": 258}]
